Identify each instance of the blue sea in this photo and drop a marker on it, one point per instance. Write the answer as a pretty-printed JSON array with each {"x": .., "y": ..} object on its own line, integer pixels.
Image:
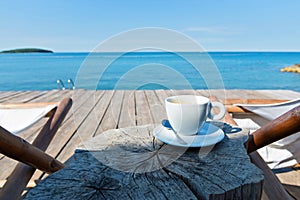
[{"x": 149, "y": 70}]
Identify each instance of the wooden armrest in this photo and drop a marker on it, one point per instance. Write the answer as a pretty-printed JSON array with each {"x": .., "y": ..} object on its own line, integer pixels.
[
  {"x": 20, "y": 150},
  {"x": 235, "y": 109},
  {"x": 277, "y": 129},
  {"x": 27, "y": 105},
  {"x": 253, "y": 101}
]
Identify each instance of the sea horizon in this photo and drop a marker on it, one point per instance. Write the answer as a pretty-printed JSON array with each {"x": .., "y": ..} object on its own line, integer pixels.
[{"x": 238, "y": 70}]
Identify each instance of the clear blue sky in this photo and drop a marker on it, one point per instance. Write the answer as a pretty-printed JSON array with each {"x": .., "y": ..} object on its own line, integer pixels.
[{"x": 79, "y": 26}]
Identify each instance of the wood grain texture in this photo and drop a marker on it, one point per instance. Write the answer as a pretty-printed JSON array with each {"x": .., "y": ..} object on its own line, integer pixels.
[{"x": 130, "y": 164}]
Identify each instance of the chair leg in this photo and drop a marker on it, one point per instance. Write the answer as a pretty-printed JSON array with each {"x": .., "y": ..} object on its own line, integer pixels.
[
  {"x": 16, "y": 182},
  {"x": 272, "y": 186}
]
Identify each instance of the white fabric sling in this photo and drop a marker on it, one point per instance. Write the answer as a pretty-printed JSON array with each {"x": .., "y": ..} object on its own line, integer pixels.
[
  {"x": 280, "y": 153},
  {"x": 16, "y": 120}
]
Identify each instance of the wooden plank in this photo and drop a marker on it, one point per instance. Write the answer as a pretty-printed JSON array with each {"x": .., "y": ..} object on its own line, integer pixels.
[
  {"x": 76, "y": 115},
  {"x": 143, "y": 114},
  {"x": 25, "y": 97},
  {"x": 203, "y": 93},
  {"x": 102, "y": 109},
  {"x": 157, "y": 109},
  {"x": 33, "y": 95},
  {"x": 279, "y": 94},
  {"x": 7, "y": 94},
  {"x": 17, "y": 97},
  {"x": 219, "y": 94},
  {"x": 86, "y": 123},
  {"x": 243, "y": 94},
  {"x": 252, "y": 101},
  {"x": 112, "y": 114},
  {"x": 128, "y": 115},
  {"x": 53, "y": 96},
  {"x": 161, "y": 95},
  {"x": 10, "y": 95},
  {"x": 31, "y": 184},
  {"x": 7, "y": 166},
  {"x": 66, "y": 132},
  {"x": 290, "y": 180},
  {"x": 180, "y": 92},
  {"x": 253, "y": 94},
  {"x": 85, "y": 130}
]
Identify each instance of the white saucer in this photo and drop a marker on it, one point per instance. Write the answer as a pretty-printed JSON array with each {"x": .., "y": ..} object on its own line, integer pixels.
[{"x": 207, "y": 136}]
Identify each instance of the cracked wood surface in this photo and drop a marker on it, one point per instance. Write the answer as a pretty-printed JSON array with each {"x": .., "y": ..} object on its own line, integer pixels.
[{"x": 129, "y": 163}]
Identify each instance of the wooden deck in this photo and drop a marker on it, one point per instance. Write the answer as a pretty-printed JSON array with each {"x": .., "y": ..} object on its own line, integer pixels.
[{"x": 96, "y": 111}]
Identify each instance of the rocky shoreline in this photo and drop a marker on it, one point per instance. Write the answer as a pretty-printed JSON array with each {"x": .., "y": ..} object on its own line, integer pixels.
[{"x": 295, "y": 68}]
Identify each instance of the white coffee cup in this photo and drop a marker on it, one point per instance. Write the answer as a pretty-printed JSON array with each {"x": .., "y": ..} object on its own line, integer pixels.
[{"x": 188, "y": 113}]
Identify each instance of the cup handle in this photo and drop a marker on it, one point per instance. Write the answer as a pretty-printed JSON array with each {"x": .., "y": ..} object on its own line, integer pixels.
[{"x": 221, "y": 113}]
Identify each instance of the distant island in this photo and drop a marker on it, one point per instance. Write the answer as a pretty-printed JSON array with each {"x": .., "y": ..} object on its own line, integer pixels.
[{"x": 27, "y": 50}]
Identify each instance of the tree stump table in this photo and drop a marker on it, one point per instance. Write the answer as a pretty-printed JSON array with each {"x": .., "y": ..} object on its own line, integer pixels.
[{"x": 130, "y": 163}]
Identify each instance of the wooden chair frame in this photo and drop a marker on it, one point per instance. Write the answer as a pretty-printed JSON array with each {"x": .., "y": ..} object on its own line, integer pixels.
[
  {"x": 277, "y": 129},
  {"x": 31, "y": 156}
]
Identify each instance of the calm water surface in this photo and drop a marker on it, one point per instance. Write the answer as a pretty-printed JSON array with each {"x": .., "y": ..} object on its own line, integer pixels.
[{"x": 150, "y": 70}]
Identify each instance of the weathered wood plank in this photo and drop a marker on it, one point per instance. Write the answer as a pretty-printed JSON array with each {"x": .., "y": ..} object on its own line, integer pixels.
[
  {"x": 10, "y": 95},
  {"x": 16, "y": 98},
  {"x": 53, "y": 96},
  {"x": 128, "y": 115},
  {"x": 66, "y": 132},
  {"x": 85, "y": 130},
  {"x": 203, "y": 93},
  {"x": 7, "y": 94},
  {"x": 162, "y": 95},
  {"x": 112, "y": 114},
  {"x": 75, "y": 117},
  {"x": 26, "y": 97},
  {"x": 278, "y": 94},
  {"x": 143, "y": 115},
  {"x": 157, "y": 109}
]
